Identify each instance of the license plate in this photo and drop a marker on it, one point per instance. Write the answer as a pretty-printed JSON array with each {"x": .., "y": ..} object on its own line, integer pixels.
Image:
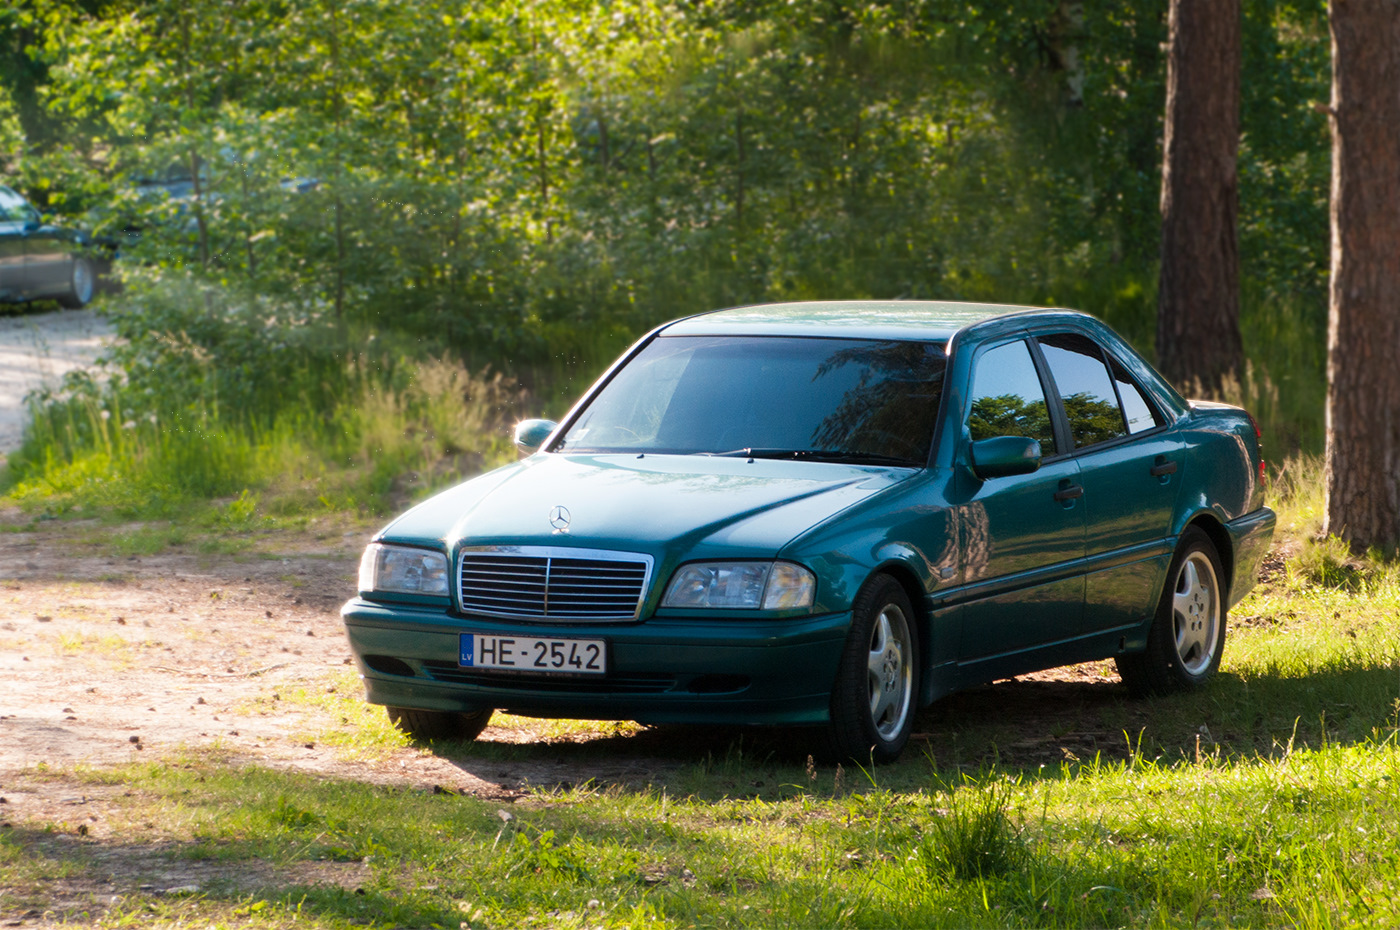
[{"x": 533, "y": 654}]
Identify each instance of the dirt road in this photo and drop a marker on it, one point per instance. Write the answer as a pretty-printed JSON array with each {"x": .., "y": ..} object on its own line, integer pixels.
[
  {"x": 40, "y": 349},
  {"x": 107, "y": 657}
]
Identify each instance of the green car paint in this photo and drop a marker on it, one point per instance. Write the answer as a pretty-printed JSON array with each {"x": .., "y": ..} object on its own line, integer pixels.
[{"x": 1064, "y": 563}]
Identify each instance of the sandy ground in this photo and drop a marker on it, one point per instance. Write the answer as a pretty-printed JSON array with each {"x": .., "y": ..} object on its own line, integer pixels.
[
  {"x": 105, "y": 658},
  {"x": 39, "y": 350}
]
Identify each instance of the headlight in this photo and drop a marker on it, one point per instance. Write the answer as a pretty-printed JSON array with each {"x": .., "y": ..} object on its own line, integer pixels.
[
  {"x": 402, "y": 570},
  {"x": 742, "y": 586}
]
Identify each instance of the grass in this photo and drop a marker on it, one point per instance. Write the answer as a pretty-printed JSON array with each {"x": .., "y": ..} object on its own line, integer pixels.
[
  {"x": 1303, "y": 838},
  {"x": 1268, "y": 799}
]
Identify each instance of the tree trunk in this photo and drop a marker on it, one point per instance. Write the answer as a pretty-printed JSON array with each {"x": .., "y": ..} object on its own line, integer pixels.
[
  {"x": 338, "y": 121},
  {"x": 1198, "y": 296},
  {"x": 1363, "y": 330},
  {"x": 1065, "y": 30}
]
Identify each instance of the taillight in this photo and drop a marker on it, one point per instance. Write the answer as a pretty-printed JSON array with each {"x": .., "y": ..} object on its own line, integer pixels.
[{"x": 1258, "y": 443}]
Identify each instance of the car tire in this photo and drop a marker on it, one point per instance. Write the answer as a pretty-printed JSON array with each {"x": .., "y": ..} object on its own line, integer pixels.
[
  {"x": 876, "y": 692},
  {"x": 82, "y": 284},
  {"x": 1187, "y": 637},
  {"x": 437, "y": 724}
]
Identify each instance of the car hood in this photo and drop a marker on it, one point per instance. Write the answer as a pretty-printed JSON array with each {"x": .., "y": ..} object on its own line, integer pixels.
[{"x": 660, "y": 504}]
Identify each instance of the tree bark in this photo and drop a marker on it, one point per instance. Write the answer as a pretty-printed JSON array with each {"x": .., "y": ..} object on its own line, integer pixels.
[
  {"x": 1363, "y": 330},
  {"x": 1065, "y": 30},
  {"x": 1198, "y": 295}
]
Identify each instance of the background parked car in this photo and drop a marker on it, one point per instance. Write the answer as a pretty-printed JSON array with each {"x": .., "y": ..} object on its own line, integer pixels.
[{"x": 39, "y": 259}]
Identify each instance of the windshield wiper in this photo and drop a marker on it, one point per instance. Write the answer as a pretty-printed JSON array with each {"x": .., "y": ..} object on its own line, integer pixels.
[{"x": 818, "y": 455}]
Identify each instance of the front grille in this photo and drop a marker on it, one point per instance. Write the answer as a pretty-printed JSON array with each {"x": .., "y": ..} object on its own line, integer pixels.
[{"x": 561, "y": 585}]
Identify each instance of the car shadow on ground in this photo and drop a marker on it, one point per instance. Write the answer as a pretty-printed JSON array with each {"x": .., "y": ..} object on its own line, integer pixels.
[
  {"x": 1015, "y": 723},
  {"x": 1031, "y": 727}
]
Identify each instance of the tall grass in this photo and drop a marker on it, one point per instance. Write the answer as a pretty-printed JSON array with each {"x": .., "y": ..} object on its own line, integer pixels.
[
  {"x": 216, "y": 392},
  {"x": 376, "y": 447}
]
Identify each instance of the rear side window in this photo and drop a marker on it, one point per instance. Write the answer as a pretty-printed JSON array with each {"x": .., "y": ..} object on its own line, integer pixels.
[
  {"x": 1136, "y": 408},
  {"x": 1081, "y": 374},
  {"x": 1007, "y": 399}
]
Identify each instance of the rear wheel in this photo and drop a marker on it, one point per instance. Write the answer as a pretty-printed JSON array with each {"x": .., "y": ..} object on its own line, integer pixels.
[
  {"x": 872, "y": 705},
  {"x": 82, "y": 282},
  {"x": 438, "y": 724},
  {"x": 1187, "y": 637}
]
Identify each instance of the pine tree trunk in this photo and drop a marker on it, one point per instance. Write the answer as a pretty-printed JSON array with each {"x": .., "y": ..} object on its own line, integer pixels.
[
  {"x": 1363, "y": 331},
  {"x": 1198, "y": 296}
]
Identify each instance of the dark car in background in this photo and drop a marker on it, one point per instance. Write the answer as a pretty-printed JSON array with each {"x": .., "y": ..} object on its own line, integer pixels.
[{"x": 40, "y": 260}]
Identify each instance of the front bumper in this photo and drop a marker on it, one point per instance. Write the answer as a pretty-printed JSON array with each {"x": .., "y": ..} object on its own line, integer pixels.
[{"x": 672, "y": 670}]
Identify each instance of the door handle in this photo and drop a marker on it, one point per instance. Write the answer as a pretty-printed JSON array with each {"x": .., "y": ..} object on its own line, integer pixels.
[
  {"x": 1163, "y": 467},
  {"x": 1069, "y": 492}
]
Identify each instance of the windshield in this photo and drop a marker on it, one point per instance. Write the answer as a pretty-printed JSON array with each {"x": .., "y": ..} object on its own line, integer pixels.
[{"x": 769, "y": 396}]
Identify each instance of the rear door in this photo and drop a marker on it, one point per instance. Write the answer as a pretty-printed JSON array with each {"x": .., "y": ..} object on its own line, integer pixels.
[{"x": 1130, "y": 466}]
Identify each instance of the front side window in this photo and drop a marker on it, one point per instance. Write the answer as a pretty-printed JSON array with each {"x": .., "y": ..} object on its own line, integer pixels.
[
  {"x": 13, "y": 207},
  {"x": 1007, "y": 399},
  {"x": 1081, "y": 375},
  {"x": 769, "y": 396}
]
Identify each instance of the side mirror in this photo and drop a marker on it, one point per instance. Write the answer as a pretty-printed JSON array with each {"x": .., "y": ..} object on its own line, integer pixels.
[
  {"x": 531, "y": 434},
  {"x": 1002, "y": 456}
]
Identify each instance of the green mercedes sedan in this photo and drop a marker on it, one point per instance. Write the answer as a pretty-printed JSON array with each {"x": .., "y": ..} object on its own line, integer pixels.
[{"x": 823, "y": 515}]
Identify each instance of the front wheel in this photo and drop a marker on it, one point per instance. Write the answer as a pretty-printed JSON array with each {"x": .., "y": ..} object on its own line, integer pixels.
[
  {"x": 1187, "y": 637},
  {"x": 872, "y": 705},
  {"x": 438, "y": 724},
  {"x": 82, "y": 282}
]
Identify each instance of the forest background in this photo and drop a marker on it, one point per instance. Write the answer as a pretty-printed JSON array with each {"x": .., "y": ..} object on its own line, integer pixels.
[{"x": 405, "y": 224}]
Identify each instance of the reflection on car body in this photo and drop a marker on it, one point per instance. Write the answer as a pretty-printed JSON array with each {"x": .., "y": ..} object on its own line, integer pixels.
[{"x": 824, "y": 515}]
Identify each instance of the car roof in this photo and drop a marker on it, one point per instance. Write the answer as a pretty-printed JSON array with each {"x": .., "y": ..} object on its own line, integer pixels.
[{"x": 854, "y": 319}]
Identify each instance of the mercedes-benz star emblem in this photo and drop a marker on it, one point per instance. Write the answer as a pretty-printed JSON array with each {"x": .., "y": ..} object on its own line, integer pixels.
[{"x": 559, "y": 518}]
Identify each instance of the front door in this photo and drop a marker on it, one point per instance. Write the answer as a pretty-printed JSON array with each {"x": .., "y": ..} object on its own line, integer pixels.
[
  {"x": 11, "y": 260},
  {"x": 1021, "y": 537},
  {"x": 46, "y": 258}
]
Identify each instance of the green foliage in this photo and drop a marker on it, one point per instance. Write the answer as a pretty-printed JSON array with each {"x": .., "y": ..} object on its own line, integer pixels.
[
  {"x": 531, "y": 188},
  {"x": 503, "y": 180}
]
